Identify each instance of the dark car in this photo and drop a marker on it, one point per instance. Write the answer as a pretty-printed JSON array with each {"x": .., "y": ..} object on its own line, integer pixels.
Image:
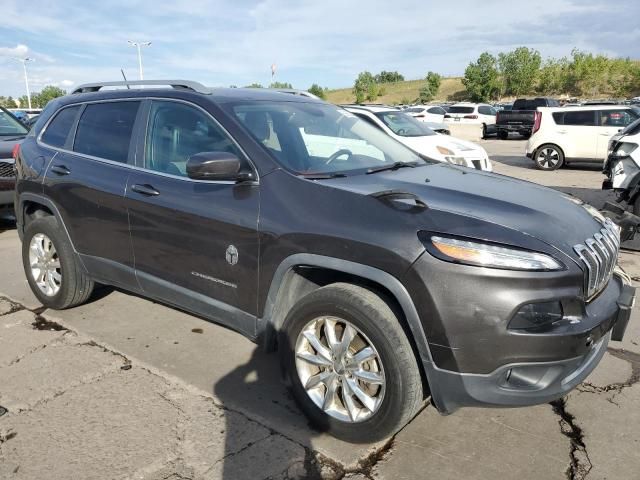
[
  {"x": 380, "y": 276},
  {"x": 12, "y": 132},
  {"x": 521, "y": 117}
]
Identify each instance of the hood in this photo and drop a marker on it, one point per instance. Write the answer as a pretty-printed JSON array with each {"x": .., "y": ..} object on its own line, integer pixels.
[
  {"x": 7, "y": 144},
  {"x": 545, "y": 214}
]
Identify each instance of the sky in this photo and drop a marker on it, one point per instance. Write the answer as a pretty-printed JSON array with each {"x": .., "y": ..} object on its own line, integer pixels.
[{"x": 326, "y": 42}]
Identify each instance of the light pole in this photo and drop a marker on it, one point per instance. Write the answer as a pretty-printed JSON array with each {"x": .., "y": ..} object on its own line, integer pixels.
[
  {"x": 24, "y": 61},
  {"x": 138, "y": 45}
]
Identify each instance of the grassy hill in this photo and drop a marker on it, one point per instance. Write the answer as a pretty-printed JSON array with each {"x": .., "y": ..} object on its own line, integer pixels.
[{"x": 403, "y": 92}]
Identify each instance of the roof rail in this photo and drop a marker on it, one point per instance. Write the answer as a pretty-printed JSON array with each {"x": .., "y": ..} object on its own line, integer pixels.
[{"x": 176, "y": 84}]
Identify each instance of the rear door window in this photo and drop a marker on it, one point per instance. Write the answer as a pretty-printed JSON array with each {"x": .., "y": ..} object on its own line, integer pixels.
[
  {"x": 58, "y": 129},
  {"x": 105, "y": 130},
  {"x": 580, "y": 118},
  {"x": 484, "y": 110}
]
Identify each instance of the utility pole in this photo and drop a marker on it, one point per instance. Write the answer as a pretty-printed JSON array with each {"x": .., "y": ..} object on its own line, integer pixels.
[
  {"x": 138, "y": 45},
  {"x": 24, "y": 61}
]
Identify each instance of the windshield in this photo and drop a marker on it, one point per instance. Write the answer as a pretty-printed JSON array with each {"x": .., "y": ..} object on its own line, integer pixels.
[
  {"x": 461, "y": 109},
  {"x": 415, "y": 110},
  {"x": 404, "y": 125},
  {"x": 310, "y": 138},
  {"x": 10, "y": 126}
]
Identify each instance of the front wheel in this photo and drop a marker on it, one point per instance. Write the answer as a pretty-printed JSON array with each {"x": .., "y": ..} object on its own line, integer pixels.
[
  {"x": 549, "y": 157},
  {"x": 349, "y": 363}
]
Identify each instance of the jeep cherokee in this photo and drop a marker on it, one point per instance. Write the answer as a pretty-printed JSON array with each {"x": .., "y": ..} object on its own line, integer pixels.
[{"x": 381, "y": 277}]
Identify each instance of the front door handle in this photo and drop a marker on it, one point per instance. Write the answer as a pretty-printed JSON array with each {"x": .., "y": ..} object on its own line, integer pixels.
[
  {"x": 60, "y": 170},
  {"x": 145, "y": 189}
]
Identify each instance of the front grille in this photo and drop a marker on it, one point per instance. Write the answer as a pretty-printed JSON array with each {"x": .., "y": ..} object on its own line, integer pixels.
[
  {"x": 477, "y": 164},
  {"x": 7, "y": 170},
  {"x": 600, "y": 256}
]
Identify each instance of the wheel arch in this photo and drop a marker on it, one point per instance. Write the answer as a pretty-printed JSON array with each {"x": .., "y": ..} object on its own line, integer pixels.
[{"x": 300, "y": 274}]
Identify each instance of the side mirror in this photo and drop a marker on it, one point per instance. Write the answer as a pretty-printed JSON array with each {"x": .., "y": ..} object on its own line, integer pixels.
[{"x": 214, "y": 166}]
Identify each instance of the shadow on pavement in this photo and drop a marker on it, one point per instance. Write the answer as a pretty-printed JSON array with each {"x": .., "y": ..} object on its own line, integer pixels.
[
  {"x": 255, "y": 386},
  {"x": 7, "y": 222}
]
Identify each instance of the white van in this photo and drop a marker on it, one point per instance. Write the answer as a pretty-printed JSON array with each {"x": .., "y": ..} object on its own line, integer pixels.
[{"x": 568, "y": 134}]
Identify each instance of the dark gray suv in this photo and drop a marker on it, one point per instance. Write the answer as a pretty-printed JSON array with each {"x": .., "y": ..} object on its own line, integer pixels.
[{"x": 381, "y": 277}]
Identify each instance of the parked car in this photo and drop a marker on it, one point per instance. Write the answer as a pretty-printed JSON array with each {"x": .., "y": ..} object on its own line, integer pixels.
[
  {"x": 380, "y": 276},
  {"x": 570, "y": 134},
  {"x": 423, "y": 140},
  {"x": 25, "y": 113},
  {"x": 427, "y": 113},
  {"x": 499, "y": 107},
  {"x": 12, "y": 132},
  {"x": 473, "y": 113},
  {"x": 521, "y": 118},
  {"x": 622, "y": 167}
]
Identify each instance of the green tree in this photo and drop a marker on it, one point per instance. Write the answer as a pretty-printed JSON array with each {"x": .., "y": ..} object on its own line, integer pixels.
[
  {"x": 47, "y": 94},
  {"x": 280, "y": 85},
  {"x": 588, "y": 73},
  {"x": 365, "y": 87},
  {"x": 318, "y": 91},
  {"x": 254, "y": 85},
  {"x": 430, "y": 89},
  {"x": 553, "y": 77},
  {"x": 389, "y": 77},
  {"x": 481, "y": 78},
  {"x": 519, "y": 70}
]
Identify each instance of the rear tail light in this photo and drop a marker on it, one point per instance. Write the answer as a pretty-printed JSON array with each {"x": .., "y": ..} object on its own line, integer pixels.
[
  {"x": 537, "y": 120},
  {"x": 15, "y": 151},
  {"x": 447, "y": 116},
  {"x": 471, "y": 117}
]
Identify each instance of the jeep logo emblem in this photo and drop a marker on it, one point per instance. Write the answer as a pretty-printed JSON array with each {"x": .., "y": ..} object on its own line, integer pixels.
[{"x": 232, "y": 255}]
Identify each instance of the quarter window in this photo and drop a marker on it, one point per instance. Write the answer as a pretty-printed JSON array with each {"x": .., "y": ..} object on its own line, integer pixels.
[
  {"x": 58, "y": 129},
  {"x": 177, "y": 131},
  {"x": 105, "y": 129}
]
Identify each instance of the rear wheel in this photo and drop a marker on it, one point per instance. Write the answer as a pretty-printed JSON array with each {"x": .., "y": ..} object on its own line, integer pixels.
[
  {"x": 549, "y": 157},
  {"x": 51, "y": 267},
  {"x": 503, "y": 134},
  {"x": 484, "y": 131},
  {"x": 349, "y": 363}
]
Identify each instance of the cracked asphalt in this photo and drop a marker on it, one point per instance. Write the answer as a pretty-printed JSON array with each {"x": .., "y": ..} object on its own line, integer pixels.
[{"x": 127, "y": 388}]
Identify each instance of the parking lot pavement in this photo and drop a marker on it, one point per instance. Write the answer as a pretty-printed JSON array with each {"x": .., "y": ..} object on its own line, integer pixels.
[{"x": 126, "y": 388}]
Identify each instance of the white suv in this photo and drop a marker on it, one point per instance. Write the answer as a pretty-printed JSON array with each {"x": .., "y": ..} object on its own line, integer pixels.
[
  {"x": 565, "y": 134},
  {"x": 473, "y": 113}
]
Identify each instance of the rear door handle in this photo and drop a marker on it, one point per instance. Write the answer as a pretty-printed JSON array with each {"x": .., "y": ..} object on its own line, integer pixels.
[
  {"x": 146, "y": 189},
  {"x": 60, "y": 170}
]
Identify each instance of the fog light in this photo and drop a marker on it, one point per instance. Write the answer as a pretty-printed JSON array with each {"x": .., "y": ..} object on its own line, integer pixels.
[{"x": 536, "y": 316}]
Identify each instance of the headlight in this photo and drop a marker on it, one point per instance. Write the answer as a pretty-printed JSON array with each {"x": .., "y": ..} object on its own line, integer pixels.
[
  {"x": 486, "y": 255},
  {"x": 445, "y": 150},
  {"x": 624, "y": 149}
]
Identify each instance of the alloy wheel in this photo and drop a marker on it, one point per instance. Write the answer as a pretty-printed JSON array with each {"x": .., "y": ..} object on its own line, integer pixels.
[
  {"x": 548, "y": 158},
  {"x": 45, "y": 264},
  {"x": 340, "y": 369}
]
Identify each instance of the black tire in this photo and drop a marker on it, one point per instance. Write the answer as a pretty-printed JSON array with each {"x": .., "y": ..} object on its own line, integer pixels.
[
  {"x": 75, "y": 285},
  {"x": 484, "y": 131},
  {"x": 369, "y": 313},
  {"x": 548, "y": 157},
  {"x": 503, "y": 134}
]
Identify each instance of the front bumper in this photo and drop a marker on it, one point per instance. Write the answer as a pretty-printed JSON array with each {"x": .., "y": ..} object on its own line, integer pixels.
[{"x": 476, "y": 360}]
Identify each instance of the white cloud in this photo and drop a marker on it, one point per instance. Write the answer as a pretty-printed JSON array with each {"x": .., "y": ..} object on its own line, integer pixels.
[{"x": 19, "y": 51}]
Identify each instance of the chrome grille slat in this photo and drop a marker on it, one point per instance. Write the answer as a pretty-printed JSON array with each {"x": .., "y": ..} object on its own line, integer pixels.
[{"x": 599, "y": 254}]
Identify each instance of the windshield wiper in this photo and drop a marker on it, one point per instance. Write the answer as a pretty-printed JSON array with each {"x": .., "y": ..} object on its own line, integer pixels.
[
  {"x": 392, "y": 166},
  {"x": 321, "y": 176}
]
